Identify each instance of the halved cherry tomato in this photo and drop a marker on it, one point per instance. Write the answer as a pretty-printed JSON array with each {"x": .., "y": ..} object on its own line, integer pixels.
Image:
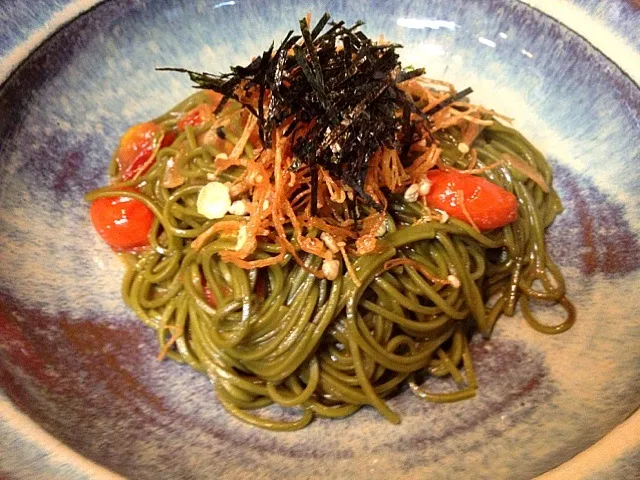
[
  {"x": 168, "y": 139},
  {"x": 196, "y": 116},
  {"x": 123, "y": 222},
  {"x": 201, "y": 113},
  {"x": 488, "y": 205},
  {"x": 137, "y": 146}
]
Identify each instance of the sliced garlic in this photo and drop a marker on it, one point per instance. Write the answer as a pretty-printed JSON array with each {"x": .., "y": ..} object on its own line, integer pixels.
[{"x": 213, "y": 200}]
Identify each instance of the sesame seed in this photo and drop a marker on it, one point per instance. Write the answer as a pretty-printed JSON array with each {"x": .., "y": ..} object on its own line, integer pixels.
[
  {"x": 411, "y": 194},
  {"x": 330, "y": 269},
  {"x": 329, "y": 241},
  {"x": 239, "y": 207},
  {"x": 425, "y": 187},
  {"x": 242, "y": 237},
  {"x": 444, "y": 216},
  {"x": 454, "y": 281}
]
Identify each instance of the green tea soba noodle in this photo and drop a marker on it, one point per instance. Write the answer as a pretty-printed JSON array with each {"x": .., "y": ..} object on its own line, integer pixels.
[{"x": 316, "y": 235}]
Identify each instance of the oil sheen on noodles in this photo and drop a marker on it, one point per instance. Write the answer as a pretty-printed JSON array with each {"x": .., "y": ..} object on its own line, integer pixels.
[{"x": 280, "y": 335}]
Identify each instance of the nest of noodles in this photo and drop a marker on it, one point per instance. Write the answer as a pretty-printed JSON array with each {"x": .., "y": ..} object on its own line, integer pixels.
[{"x": 245, "y": 299}]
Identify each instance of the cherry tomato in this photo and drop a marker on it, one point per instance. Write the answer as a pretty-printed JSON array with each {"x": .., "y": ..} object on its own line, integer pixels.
[
  {"x": 136, "y": 147},
  {"x": 168, "y": 139},
  {"x": 196, "y": 116},
  {"x": 201, "y": 113},
  {"x": 123, "y": 222},
  {"x": 488, "y": 205}
]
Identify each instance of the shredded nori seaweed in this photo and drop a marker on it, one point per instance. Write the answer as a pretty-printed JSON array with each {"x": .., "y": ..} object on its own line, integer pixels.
[{"x": 342, "y": 84}]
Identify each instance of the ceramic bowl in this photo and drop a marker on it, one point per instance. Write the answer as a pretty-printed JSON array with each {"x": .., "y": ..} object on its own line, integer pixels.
[{"x": 81, "y": 392}]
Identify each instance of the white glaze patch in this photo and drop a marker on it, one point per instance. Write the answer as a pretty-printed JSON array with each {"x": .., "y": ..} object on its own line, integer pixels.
[{"x": 53, "y": 259}]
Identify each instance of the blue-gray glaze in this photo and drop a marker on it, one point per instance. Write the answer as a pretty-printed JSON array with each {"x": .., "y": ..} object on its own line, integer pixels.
[{"x": 77, "y": 362}]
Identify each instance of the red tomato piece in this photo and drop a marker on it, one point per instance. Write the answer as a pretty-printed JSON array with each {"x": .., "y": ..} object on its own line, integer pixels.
[
  {"x": 123, "y": 222},
  {"x": 136, "y": 147},
  {"x": 488, "y": 205},
  {"x": 196, "y": 116},
  {"x": 210, "y": 297},
  {"x": 168, "y": 139}
]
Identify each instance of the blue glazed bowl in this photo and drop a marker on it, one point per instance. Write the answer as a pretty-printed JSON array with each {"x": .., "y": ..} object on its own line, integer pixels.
[{"x": 80, "y": 391}]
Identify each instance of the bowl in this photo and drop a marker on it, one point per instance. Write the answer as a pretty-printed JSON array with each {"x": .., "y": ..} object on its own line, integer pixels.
[{"x": 82, "y": 395}]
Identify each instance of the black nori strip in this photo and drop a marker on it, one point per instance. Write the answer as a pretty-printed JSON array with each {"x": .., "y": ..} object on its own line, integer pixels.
[
  {"x": 313, "y": 168},
  {"x": 407, "y": 133},
  {"x": 221, "y": 105},
  {"x": 261, "y": 78},
  {"x": 448, "y": 101},
  {"x": 351, "y": 94},
  {"x": 318, "y": 85},
  {"x": 320, "y": 25}
]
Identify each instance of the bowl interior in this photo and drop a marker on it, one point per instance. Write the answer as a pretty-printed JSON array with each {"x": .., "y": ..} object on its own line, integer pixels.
[{"x": 80, "y": 364}]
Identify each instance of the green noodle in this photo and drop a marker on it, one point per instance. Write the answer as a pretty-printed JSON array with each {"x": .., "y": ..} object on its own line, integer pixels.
[{"x": 324, "y": 348}]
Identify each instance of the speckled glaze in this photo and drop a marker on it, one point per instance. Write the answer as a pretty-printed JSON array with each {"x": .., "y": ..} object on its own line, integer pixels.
[{"x": 82, "y": 370}]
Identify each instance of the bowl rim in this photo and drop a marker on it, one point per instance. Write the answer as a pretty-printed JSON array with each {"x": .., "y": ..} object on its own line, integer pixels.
[{"x": 18, "y": 431}]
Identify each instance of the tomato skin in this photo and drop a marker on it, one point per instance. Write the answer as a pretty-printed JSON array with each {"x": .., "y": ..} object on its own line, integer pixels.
[
  {"x": 201, "y": 113},
  {"x": 123, "y": 222},
  {"x": 196, "y": 116},
  {"x": 168, "y": 139},
  {"x": 488, "y": 205},
  {"x": 136, "y": 147}
]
